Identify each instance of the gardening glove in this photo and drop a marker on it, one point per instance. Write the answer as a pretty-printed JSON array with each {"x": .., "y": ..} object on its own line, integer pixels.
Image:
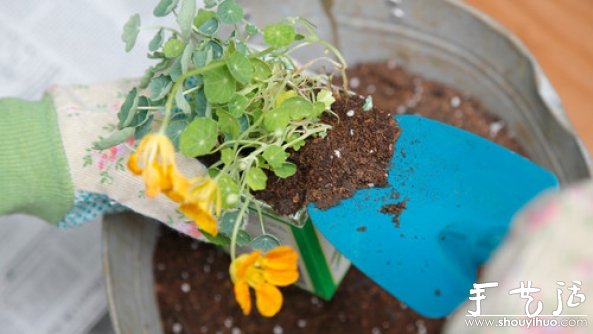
[
  {"x": 549, "y": 245},
  {"x": 50, "y": 168}
]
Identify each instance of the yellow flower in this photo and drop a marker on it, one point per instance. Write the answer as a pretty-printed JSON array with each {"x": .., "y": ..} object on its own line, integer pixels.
[
  {"x": 202, "y": 204},
  {"x": 154, "y": 159},
  {"x": 264, "y": 273}
]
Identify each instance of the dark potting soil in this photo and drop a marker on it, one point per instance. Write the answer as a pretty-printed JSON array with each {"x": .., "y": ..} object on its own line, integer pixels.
[
  {"x": 397, "y": 91},
  {"x": 355, "y": 154},
  {"x": 193, "y": 288},
  {"x": 195, "y": 295}
]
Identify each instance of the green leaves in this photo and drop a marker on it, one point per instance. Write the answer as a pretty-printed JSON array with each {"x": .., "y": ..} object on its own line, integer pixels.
[
  {"x": 157, "y": 40},
  {"x": 256, "y": 101},
  {"x": 326, "y": 97},
  {"x": 240, "y": 67},
  {"x": 173, "y": 48},
  {"x": 275, "y": 155},
  {"x": 287, "y": 169},
  {"x": 219, "y": 85},
  {"x": 175, "y": 129},
  {"x": 159, "y": 87},
  {"x": 265, "y": 242},
  {"x": 229, "y": 191},
  {"x": 276, "y": 119},
  {"x": 229, "y": 125},
  {"x": 185, "y": 17},
  {"x": 261, "y": 70},
  {"x": 298, "y": 107},
  {"x": 256, "y": 178},
  {"x": 206, "y": 22},
  {"x": 279, "y": 35},
  {"x": 229, "y": 12},
  {"x": 238, "y": 105},
  {"x": 130, "y": 32},
  {"x": 165, "y": 7},
  {"x": 126, "y": 112},
  {"x": 199, "y": 137}
]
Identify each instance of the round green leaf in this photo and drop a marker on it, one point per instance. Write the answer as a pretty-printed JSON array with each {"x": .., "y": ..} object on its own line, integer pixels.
[
  {"x": 228, "y": 124},
  {"x": 279, "y": 35},
  {"x": 240, "y": 67},
  {"x": 285, "y": 170},
  {"x": 173, "y": 48},
  {"x": 219, "y": 85},
  {"x": 326, "y": 97},
  {"x": 298, "y": 107},
  {"x": 209, "y": 27},
  {"x": 261, "y": 70},
  {"x": 251, "y": 29},
  {"x": 130, "y": 32},
  {"x": 175, "y": 129},
  {"x": 276, "y": 119},
  {"x": 318, "y": 108},
  {"x": 230, "y": 12},
  {"x": 227, "y": 155},
  {"x": 202, "y": 17},
  {"x": 256, "y": 178},
  {"x": 275, "y": 155},
  {"x": 229, "y": 191},
  {"x": 215, "y": 49},
  {"x": 265, "y": 242},
  {"x": 159, "y": 87},
  {"x": 238, "y": 105},
  {"x": 199, "y": 137}
]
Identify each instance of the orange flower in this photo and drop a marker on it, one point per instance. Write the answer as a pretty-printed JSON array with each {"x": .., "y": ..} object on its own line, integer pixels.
[
  {"x": 154, "y": 159},
  {"x": 202, "y": 205},
  {"x": 264, "y": 273}
]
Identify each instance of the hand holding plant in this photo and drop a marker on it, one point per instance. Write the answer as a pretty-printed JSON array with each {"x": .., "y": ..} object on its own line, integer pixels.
[{"x": 224, "y": 101}]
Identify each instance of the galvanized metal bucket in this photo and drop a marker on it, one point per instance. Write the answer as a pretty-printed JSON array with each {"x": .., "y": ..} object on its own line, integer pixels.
[{"x": 441, "y": 40}]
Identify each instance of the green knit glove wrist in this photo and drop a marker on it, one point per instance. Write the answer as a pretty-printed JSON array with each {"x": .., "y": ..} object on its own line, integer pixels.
[{"x": 34, "y": 175}]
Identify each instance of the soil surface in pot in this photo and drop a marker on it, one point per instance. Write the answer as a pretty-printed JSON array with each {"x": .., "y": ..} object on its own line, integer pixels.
[{"x": 192, "y": 285}]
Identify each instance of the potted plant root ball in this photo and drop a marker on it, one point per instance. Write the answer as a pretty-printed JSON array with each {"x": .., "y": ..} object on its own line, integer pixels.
[{"x": 275, "y": 137}]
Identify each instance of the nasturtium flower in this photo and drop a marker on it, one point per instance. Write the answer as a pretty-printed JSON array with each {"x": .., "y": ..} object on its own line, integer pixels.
[
  {"x": 202, "y": 204},
  {"x": 264, "y": 273},
  {"x": 154, "y": 159}
]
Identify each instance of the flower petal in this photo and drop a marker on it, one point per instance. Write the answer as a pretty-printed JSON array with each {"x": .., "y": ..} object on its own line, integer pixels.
[
  {"x": 203, "y": 219},
  {"x": 133, "y": 164},
  {"x": 152, "y": 179},
  {"x": 242, "y": 296},
  {"x": 180, "y": 191},
  {"x": 243, "y": 262},
  {"x": 281, "y": 258},
  {"x": 281, "y": 277},
  {"x": 268, "y": 299}
]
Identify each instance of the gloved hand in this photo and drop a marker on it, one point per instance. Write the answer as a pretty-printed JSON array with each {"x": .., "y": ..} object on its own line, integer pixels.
[
  {"x": 50, "y": 168},
  {"x": 549, "y": 245}
]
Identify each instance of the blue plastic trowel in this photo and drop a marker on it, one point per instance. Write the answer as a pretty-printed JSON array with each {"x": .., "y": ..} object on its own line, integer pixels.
[{"x": 460, "y": 193}]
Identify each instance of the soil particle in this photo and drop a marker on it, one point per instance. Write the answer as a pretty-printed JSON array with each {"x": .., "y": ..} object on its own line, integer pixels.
[{"x": 395, "y": 210}]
